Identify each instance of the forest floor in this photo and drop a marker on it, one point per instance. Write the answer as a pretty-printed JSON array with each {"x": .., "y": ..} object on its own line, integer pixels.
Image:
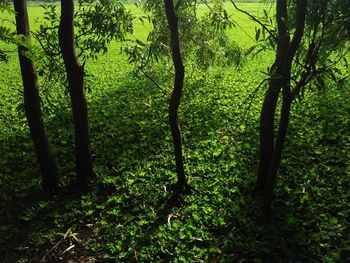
[{"x": 129, "y": 213}]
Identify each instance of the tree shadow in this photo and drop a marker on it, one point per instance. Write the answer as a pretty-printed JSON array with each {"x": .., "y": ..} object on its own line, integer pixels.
[
  {"x": 128, "y": 125},
  {"x": 134, "y": 168}
]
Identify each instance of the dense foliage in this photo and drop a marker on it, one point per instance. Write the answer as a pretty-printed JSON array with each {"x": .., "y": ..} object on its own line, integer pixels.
[
  {"x": 6, "y": 34},
  {"x": 129, "y": 213}
]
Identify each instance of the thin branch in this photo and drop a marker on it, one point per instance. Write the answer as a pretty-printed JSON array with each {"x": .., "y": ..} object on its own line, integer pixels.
[
  {"x": 300, "y": 25},
  {"x": 153, "y": 81},
  {"x": 207, "y": 5},
  {"x": 9, "y": 51},
  {"x": 254, "y": 92},
  {"x": 85, "y": 33},
  {"x": 248, "y": 35},
  {"x": 211, "y": 9},
  {"x": 254, "y": 19},
  {"x": 49, "y": 53},
  {"x": 51, "y": 28}
]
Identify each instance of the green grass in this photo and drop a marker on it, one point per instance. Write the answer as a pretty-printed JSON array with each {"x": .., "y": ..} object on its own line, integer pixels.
[{"x": 128, "y": 216}]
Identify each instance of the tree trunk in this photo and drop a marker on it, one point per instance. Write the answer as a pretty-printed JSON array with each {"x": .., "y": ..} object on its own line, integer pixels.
[
  {"x": 267, "y": 117},
  {"x": 277, "y": 153},
  {"x": 267, "y": 121},
  {"x": 288, "y": 97},
  {"x": 32, "y": 104},
  {"x": 177, "y": 91},
  {"x": 75, "y": 76}
]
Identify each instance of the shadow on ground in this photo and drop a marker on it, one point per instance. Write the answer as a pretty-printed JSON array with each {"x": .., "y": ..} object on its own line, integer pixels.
[{"x": 129, "y": 214}]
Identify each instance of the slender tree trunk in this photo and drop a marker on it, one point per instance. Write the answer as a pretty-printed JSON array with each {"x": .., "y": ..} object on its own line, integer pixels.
[
  {"x": 288, "y": 97},
  {"x": 32, "y": 104},
  {"x": 277, "y": 153},
  {"x": 267, "y": 117},
  {"x": 267, "y": 120},
  {"x": 75, "y": 76},
  {"x": 175, "y": 99}
]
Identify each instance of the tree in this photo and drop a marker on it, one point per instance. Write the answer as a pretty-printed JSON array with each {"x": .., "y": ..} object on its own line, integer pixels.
[
  {"x": 271, "y": 97},
  {"x": 32, "y": 103},
  {"x": 204, "y": 42},
  {"x": 306, "y": 61},
  {"x": 75, "y": 77},
  {"x": 280, "y": 78},
  {"x": 175, "y": 98},
  {"x": 287, "y": 95},
  {"x": 96, "y": 24}
]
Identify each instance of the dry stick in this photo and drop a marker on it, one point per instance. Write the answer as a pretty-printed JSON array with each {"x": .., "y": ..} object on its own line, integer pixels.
[{"x": 51, "y": 249}]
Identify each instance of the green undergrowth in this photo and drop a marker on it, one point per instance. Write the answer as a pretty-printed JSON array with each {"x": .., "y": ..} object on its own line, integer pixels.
[{"x": 130, "y": 214}]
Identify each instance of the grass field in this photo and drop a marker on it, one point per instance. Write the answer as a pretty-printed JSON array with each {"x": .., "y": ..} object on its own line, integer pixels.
[{"x": 126, "y": 217}]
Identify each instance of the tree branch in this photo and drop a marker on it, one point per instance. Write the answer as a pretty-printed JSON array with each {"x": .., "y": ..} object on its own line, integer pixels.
[
  {"x": 254, "y": 19},
  {"x": 300, "y": 25}
]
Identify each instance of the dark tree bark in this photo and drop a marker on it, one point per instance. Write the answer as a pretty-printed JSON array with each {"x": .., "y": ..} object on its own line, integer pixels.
[
  {"x": 75, "y": 76},
  {"x": 288, "y": 98},
  {"x": 277, "y": 153},
  {"x": 267, "y": 116},
  {"x": 32, "y": 104},
  {"x": 175, "y": 99},
  {"x": 267, "y": 119}
]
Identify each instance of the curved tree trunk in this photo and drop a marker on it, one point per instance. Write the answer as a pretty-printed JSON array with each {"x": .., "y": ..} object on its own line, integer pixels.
[
  {"x": 267, "y": 121},
  {"x": 75, "y": 76},
  {"x": 288, "y": 98},
  {"x": 267, "y": 116},
  {"x": 277, "y": 153},
  {"x": 32, "y": 104},
  {"x": 175, "y": 99}
]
